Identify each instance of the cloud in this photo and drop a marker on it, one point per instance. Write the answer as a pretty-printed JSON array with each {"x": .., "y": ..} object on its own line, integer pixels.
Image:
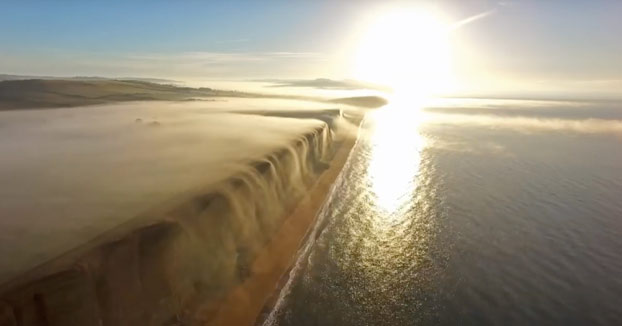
[
  {"x": 471, "y": 19},
  {"x": 239, "y": 40},
  {"x": 196, "y": 64},
  {"x": 524, "y": 124},
  {"x": 220, "y": 57}
]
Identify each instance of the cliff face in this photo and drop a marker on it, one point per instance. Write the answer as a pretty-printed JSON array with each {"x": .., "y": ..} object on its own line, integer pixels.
[{"x": 159, "y": 268}]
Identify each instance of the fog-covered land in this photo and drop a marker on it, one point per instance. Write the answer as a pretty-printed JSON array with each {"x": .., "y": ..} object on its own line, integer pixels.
[{"x": 134, "y": 213}]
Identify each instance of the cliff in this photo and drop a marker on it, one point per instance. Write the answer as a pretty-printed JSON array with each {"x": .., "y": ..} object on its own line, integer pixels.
[{"x": 174, "y": 252}]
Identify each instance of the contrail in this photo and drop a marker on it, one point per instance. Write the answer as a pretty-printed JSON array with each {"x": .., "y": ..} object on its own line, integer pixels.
[{"x": 471, "y": 19}]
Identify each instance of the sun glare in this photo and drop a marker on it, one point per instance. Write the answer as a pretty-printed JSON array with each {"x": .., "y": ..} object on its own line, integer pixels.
[{"x": 407, "y": 50}]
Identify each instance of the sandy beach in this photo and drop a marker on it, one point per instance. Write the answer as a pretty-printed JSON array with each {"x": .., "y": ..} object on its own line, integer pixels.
[{"x": 243, "y": 305}]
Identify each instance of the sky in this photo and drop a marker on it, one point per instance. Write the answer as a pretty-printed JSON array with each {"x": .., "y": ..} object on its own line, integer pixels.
[{"x": 500, "y": 46}]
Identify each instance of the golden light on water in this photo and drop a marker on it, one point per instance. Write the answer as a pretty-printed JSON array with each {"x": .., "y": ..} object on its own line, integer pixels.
[
  {"x": 394, "y": 235},
  {"x": 408, "y": 50},
  {"x": 396, "y": 150}
]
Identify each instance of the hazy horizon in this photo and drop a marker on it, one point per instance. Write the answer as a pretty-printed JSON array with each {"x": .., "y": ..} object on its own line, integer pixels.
[
  {"x": 328, "y": 162},
  {"x": 493, "y": 47}
]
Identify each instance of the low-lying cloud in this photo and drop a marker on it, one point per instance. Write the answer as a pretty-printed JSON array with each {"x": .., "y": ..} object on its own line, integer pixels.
[{"x": 527, "y": 124}]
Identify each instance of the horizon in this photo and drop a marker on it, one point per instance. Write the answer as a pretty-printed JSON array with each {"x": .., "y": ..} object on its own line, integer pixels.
[
  {"x": 328, "y": 162},
  {"x": 266, "y": 86},
  {"x": 524, "y": 48}
]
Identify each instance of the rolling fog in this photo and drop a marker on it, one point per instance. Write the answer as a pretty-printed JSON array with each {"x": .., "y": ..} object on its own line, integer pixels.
[{"x": 69, "y": 174}]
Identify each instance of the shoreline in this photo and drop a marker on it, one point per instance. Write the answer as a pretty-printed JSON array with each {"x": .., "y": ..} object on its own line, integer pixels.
[
  {"x": 191, "y": 251},
  {"x": 246, "y": 302}
]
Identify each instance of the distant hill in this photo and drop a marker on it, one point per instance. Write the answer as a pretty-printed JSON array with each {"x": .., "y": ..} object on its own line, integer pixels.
[
  {"x": 51, "y": 93},
  {"x": 362, "y": 101},
  {"x": 19, "y": 94},
  {"x": 324, "y": 83},
  {"x": 150, "y": 80}
]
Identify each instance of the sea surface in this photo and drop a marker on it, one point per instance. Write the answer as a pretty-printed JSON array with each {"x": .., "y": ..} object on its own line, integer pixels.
[{"x": 469, "y": 212}]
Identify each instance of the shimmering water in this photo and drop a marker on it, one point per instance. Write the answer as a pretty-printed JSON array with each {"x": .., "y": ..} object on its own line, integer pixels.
[{"x": 470, "y": 213}]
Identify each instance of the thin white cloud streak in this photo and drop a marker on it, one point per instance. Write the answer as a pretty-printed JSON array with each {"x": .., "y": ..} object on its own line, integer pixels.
[
  {"x": 268, "y": 64},
  {"x": 239, "y": 40},
  {"x": 470, "y": 19},
  {"x": 220, "y": 57}
]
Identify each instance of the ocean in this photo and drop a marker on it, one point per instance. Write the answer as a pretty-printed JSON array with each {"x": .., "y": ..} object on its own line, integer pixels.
[{"x": 469, "y": 212}]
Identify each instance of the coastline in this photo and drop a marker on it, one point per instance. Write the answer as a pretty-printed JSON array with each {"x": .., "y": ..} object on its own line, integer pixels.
[
  {"x": 188, "y": 253},
  {"x": 244, "y": 304}
]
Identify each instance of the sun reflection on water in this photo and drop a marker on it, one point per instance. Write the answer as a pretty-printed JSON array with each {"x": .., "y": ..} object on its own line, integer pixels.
[
  {"x": 395, "y": 155},
  {"x": 376, "y": 260},
  {"x": 389, "y": 241}
]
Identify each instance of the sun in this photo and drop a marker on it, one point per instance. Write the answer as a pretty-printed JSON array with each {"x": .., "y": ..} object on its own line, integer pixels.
[{"x": 407, "y": 50}]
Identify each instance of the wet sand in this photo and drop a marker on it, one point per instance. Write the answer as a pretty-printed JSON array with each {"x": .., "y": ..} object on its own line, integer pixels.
[{"x": 244, "y": 303}]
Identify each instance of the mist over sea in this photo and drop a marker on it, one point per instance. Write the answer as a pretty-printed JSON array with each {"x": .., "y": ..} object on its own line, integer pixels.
[{"x": 470, "y": 212}]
